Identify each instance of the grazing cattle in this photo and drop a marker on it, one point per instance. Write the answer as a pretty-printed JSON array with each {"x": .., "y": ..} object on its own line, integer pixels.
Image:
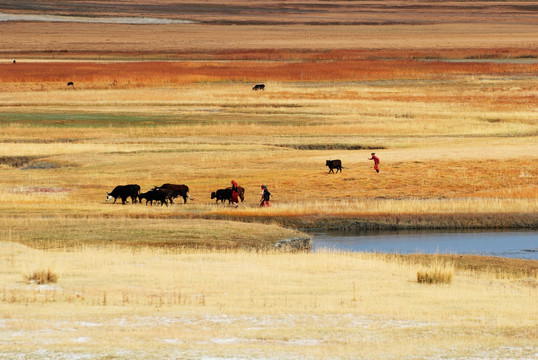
[
  {"x": 334, "y": 164},
  {"x": 124, "y": 191},
  {"x": 259, "y": 87},
  {"x": 222, "y": 195},
  {"x": 177, "y": 190},
  {"x": 156, "y": 195}
]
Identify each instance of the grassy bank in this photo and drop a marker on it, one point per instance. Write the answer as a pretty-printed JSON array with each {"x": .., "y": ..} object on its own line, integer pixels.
[
  {"x": 54, "y": 232},
  {"x": 158, "y": 303},
  {"x": 499, "y": 267},
  {"x": 373, "y": 220}
]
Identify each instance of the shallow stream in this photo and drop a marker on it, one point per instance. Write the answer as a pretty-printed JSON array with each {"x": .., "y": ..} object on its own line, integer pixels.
[{"x": 511, "y": 244}]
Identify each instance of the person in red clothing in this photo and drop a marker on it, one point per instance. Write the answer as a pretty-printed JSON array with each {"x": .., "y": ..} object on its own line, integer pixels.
[
  {"x": 235, "y": 200},
  {"x": 376, "y": 162}
]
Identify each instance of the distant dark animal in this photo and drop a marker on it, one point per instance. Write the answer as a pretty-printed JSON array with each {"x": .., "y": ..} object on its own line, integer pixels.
[
  {"x": 222, "y": 195},
  {"x": 240, "y": 192},
  {"x": 334, "y": 164},
  {"x": 259, "y": 87},
  {"x": 177, "y": 190},
  {"x": 124, "y": 191},
  {"x": 14, "y": 61},
  {"x": 71, "y": 84},
  {"x": 156, "y": 194}
]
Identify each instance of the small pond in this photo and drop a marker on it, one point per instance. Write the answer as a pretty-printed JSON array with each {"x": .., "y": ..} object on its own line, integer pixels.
[{"x": 512, "y": 244}]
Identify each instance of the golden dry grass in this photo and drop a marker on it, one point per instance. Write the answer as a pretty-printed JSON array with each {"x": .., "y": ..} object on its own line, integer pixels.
[
  {"x": 156, "y": 303},
  {"x": 436, "y": 273},
  {"x": 173, "y": 103},
  {"x": 453, "y": 146},
  {"x": 53, "y": 41},
  {"x": 143, "y": 74},
  {"x": 52, "y": 232}
]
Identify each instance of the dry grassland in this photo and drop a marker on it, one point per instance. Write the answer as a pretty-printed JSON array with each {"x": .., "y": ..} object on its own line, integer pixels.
[
  {"x": 117, "y": 75},
  {"x": 458, "y": 146},
  {"x": 155, "y": 304},
  {"x": 446, "y": 96},
  {"x": 52, "y": 41}
]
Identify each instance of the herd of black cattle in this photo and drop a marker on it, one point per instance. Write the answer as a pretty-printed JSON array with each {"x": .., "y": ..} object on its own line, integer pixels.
[
  {"x": 166, "y": 193},
  {"x": 169, "y": 192}
]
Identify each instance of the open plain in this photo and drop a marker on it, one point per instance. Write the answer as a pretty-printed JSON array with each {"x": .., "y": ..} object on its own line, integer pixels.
[{"x": 445, "y": 93}]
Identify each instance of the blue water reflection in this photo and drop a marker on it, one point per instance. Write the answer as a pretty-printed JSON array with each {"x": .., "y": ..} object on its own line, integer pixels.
[{"x": 512, "y": 244}]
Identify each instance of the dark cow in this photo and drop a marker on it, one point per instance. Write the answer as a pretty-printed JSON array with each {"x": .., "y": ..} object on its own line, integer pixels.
[
  {"x": 124, "y": 191},
  {"x": 240, "y": 192},
  {"x": 259, "y": 87},
  {"x": 226, "y": 194},
  {"x": 334, "y": 164},
  {"x": 156, "y": 194},
  {"x": 222, "y": 195},
  {"x": 177, "y": 190}
]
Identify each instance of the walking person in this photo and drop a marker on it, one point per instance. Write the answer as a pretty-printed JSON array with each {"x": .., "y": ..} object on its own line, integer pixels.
[
  {"x": 376, "y": 162},
  {"x": 235, "y": 195},
  {"x": 266, "y": 195}
]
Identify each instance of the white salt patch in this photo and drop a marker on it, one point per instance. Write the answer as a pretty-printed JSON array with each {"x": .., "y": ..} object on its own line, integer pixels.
[{"x": 82, "y": 19}]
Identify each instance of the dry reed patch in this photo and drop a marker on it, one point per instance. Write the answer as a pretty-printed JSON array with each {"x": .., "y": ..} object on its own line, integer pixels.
[
  {"x": 15, "y": 161},
  {"x": 501, "y": 268},
  {"x": 437, "y": 273},
  {"x": 42, "y": 277}
]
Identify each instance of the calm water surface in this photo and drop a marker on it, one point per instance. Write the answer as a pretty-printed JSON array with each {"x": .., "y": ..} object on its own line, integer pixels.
[{"x": 512, "y": 244}]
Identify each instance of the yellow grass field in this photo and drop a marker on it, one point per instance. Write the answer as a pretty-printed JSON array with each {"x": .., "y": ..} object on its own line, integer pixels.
[
  {"x": 442, "y": 151},
  {"x": 445, "y": 93},
  {"x": 160, "y": 304}
]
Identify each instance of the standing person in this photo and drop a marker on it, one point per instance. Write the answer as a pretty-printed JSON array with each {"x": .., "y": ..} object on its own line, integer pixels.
[
  {"x": 376, "y": 162},
  {"x": 264, "y": 201},
  {"x": 235, "y": 195}
]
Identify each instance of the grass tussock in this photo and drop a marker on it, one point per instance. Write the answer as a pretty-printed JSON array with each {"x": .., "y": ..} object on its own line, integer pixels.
[
  {"x": 436, "y": 273},
  {"x": 15, "y": 161},
  {"x": 42, "y": 277}
]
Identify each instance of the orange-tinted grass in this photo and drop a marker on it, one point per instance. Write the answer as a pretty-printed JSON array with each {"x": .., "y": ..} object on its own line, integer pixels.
[
  {"x": 287, "y": 54},
  {"x": 153, "y": 73}
]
